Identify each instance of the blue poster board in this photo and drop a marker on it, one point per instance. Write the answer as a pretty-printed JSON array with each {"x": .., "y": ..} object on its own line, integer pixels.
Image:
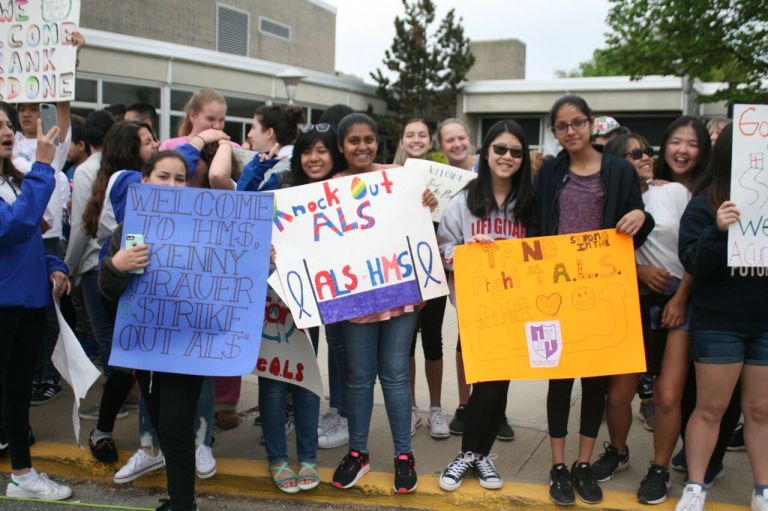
[{"x": 199, "y": 306}]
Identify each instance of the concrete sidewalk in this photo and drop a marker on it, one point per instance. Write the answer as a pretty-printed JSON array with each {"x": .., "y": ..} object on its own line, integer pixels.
[{"x": 524, "y": 463}]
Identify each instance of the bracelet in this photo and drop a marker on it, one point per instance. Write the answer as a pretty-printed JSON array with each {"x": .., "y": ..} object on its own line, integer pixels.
[{"x": 201, "y": 138}]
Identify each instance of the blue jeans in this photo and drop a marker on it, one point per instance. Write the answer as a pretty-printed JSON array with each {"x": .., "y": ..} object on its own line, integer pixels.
[
  {"x": 722, "y": 347},
  {"x": 306, "y": 409},
  {"x": 336, "y": 368},
  {"x": 103, "y": 325},
  {"x": 203, "y": 421},
  {"x": 381, "y": 348}
]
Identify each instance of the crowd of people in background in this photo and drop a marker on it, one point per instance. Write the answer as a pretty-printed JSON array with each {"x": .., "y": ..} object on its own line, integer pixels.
[{"x": 62, "y": 200}]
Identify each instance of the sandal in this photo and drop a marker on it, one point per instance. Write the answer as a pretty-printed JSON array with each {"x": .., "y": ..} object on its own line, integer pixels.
[
  {"x": 285, "y": 483},
  {"x": 307, "y": 477}
]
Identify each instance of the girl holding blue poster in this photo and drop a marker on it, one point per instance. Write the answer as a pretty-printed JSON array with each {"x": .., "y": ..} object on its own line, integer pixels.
[
  {"x": 171, "y": 398},
  {"x": 376, "y": 344},
  {"x": 729, "y": 337},
  {"x": 583, "y": 190},
  {"x": 502, "y": 194}
]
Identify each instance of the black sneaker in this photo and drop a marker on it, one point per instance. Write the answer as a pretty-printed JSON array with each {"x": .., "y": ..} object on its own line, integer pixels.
[
  {"x": 678, "y": 461},
  {"x": 737, "y": 439},
  {"x": 453, "y": 475},
  {"x": 610, "y": 462},
  {"x": 165, "y": 505},
  {"x": 353, "y": 466},
  {"x": 585, "y": 484},
  {"x": 560, "y": 485},
  {"x": 104, "y": 449},
  {"x": 505, "y": 433},
  {"x": 405, "y": 473},
  {"x": 44, "y": 392},
  {"x": 654, "y": 486},
  {"x": 457, "y": 423},
  {"x": 486, "y": 472}
]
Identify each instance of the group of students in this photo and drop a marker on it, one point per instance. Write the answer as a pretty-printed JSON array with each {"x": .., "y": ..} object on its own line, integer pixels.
[{"x": 680, "y": 241}]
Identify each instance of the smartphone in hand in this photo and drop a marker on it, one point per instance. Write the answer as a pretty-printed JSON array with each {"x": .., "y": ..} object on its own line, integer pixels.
[
  {"x": 132, "y": 240},
  {"x": 49, "y": 118}
]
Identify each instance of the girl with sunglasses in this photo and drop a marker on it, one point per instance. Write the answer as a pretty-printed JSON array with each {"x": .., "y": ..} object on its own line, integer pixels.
[
  {"x": 502, "y": 193},
  {"x": 582, "y": 190},
  {"x": 376, "y": 344},
  {"x": 664, "y": 287}
]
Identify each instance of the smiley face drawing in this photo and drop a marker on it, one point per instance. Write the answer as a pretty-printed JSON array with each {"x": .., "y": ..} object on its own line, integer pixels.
[{"x": 583, "y": 299}]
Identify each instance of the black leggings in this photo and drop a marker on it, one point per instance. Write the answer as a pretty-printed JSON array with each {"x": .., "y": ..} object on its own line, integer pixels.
[
  {"x": 171, "y": 401},
  {"x": 22, "y": 333},
  {"x": 592, "y": 406},
  {"x": 116, "y": 389},
  {"x": 430, "y": 323},
  {"x": 482, "y": 416}
]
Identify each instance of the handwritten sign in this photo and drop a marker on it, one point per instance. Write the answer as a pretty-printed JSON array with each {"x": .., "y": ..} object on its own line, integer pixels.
[
  {"x": 554, "y": 307},
  {"x": 286, "y": 352},
  {"x": 37, "y": 58},
  {"x": 748, "y": 238},
  {"x": 445, "y": 181},
  {"x": 355, "y": 245},
  {"x": 199, "y": 306}
]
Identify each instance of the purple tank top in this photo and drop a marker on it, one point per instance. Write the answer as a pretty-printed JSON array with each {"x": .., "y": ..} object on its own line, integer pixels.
[{"x": 582, "y": 204}]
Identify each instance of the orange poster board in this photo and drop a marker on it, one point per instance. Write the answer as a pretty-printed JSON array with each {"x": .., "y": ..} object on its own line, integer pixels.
[{"x": 553, "y": 307}]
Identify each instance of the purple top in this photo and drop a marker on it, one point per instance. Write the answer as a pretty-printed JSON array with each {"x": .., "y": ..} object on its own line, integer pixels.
[{"x": 582, "y": 204}]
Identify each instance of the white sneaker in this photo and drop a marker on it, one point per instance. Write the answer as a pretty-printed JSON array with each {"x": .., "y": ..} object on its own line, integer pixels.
[
  {"x": 205, "y": 463},
  {"x": 37, "y": 486},
  {"x": 692, "y": 499},
  {"x": 453, "y": 475},
  {"x": 760, "y": 501},
  {"x": 139, "y": 464},
  {"x": 486, "y": 472},
  {"x": 438, "y": 426},
  {"x": 336, "y": 435},
  {"x": 327, "y": 421},
  {"x": 415, "y": 419}
]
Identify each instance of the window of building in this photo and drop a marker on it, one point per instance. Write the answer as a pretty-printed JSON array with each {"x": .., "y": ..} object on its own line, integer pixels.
[
  {"x": 232, "y": 30},
  {"x": 85, "y": 90},
  {"x": 531, "y": 127},
  {"x": 274, "y": 28},
  {"x": 127, "y": 94}
]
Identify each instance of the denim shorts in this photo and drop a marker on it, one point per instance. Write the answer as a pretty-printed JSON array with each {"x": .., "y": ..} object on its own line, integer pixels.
[{"x": 718, "y": 347}]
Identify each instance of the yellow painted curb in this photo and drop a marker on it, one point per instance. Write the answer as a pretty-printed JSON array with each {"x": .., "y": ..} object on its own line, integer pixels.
[{"x": 250, "y": 478}]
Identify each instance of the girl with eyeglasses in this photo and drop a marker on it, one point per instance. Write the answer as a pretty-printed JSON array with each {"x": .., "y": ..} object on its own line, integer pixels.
[
  {"x": 664, "y": 291},
  {"x": 502, "y": 195},
  {"x": 582, "y": 190},
  {"x": 377, "y": 344},
  {"x": 315, "y": 158},
  {"x": 729, "y": 341}
]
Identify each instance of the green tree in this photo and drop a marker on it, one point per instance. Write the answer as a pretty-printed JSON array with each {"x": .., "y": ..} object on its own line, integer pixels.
[
  {"x": 596, "y": 66},
  {"x": 712, "y": 40},
  {"x": 427, "y": 66}
]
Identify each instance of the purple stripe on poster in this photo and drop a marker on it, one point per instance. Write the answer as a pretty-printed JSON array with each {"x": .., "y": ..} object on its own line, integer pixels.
[{"x": 369, "y": 302}]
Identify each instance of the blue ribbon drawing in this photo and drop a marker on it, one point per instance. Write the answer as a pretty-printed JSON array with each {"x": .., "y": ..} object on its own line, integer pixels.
[
  {"x": 426, "y": 267},
  {"x": 300, "y": 300}
]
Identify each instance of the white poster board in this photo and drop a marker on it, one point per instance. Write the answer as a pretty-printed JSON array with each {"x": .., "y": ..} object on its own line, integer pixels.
[
  {"x": 444, "y": 180},
  {"x": 748, "y": 237},
  {"x": 37, "y": 58}
]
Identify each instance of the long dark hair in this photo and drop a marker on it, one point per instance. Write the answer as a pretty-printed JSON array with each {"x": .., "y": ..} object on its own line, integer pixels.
[
  {"x": 120, "y": 152},
  {"x": 284, "y": 120},
  {"x": 569, "y": 99},
  {"x": 480, "y": 200},
  {"x": 149, "y": 165},
  {"x": 618, "y": 145},
  {"x": 715, "y": 182},
  {"x": 662, "y": 170},
  {"x": 307, "y": 141},
  {"x": 9, "y": 172}
]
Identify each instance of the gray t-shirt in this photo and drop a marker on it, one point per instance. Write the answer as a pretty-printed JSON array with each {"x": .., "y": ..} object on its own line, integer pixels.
[{"x": 582, "y": 204}]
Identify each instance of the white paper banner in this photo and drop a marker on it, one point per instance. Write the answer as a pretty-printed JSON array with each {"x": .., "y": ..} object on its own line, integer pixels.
[
  {"x": 74, "y": 366},
  {"x": 445, "y": 181},
  {"x": 748, "y": 238}
]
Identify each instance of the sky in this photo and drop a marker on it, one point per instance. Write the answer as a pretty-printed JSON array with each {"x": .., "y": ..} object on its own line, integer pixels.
[{"x": 558, "y": 33}]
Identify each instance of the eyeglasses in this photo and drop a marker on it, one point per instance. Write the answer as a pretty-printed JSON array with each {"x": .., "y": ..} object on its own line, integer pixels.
[
  {"x": 576, "y": 124},
  {"x": 637, "y": 154},
  {"x": 320, "y": 128},
  {"x": 501, "y": 150}
]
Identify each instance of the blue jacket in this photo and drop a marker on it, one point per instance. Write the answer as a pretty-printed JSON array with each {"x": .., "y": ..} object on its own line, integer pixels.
[{"x": 24, "y": 265}]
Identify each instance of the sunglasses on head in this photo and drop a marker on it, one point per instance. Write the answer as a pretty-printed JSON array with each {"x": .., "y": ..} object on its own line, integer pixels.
[
  {"x": 501, "y": 150},
  {"x": 637, "y": 154},
  {"x": 320, "y": 128}
]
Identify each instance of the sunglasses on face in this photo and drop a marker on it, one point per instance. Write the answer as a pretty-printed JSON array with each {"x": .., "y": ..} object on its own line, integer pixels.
[
  {"x": 576, "y": 124},
  {"x": 637, "y": 154},
  {"x": 320, "y": 128},
  {"x": 501, "y": 150}
]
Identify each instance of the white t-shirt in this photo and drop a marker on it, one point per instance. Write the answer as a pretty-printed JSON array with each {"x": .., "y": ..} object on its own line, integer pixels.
[
  {"x": 666, "y": 203},
  {"x": 24, "y": 156}
]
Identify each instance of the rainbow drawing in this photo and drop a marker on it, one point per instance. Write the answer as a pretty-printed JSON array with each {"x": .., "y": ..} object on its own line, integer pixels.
[{"x": 358, "y": 188}]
